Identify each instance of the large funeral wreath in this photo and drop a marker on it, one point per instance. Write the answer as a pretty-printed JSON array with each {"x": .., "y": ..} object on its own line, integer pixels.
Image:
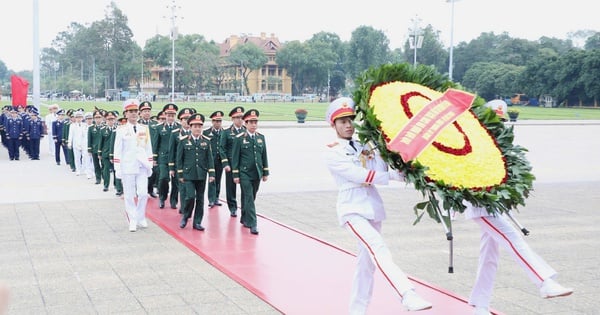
[{"x": 473, "y": 159}]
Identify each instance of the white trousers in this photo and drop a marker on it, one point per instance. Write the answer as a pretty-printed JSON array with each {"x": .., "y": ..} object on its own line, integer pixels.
[
  {"x": 373, "y": 254},
  {"x": 135, "y": 185},
  {"x": 50, "y": 143},
  {"x": 78, "y": 157},
  {"x": 496, "y": 232}
]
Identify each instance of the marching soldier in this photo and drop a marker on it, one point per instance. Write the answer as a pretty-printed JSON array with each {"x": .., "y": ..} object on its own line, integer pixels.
[
  {"x": 57, "y": 131},
  {"x": 194, "y": 160},
  {"x": 132, "y": 157},
  {"x": 105, "y": 147},
  {"x": 161, "y": 157},
  {"x": 35, "y": 132},
  {"x": 249, "y": 165},
  {"x": 177, "y": 135},
  {"x": 65, "y": 139},
  {"x": 145, "y": 119},
  {"x": 214, "y": 133},
  {"x": 13, "y": 126},
  {"x": 226, "y": 145},
  {"x": 94, "y": 138}
]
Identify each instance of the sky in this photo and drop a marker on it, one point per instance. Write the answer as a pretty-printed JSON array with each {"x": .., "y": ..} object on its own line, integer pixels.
[{"x": 297, "y": 20}]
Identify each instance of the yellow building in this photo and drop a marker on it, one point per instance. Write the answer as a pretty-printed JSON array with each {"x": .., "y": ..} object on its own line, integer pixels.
[{"x": 270, "y": 79}]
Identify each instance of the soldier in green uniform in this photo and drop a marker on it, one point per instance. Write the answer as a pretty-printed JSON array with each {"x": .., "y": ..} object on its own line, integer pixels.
[
  {"x": 160, "y": 149},
  {"x": 105, "y": 147},
  {"x": 214, "y": 133},
  {"x": 65, "y": 139},
  {"x": 177, "y": 135},
  {"x": 194, "y": 161},
  {"x": 145, "y": 119},
  {"x": 94, "y": 138},
  {"x": 249, "y": 166},
  {"x": 226, "y": 145}
]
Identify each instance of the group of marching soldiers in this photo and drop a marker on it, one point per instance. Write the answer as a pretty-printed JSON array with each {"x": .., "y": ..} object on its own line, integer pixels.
[
  {"x": 92, "y": 155},
  {"x": 21, "y": 128}
]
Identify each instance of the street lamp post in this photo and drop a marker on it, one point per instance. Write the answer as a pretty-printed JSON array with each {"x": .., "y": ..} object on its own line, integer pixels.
[
  {"x": 450, "y": 59},
  {"x": 416, "y": 41},
  {"x": 173, "y": 8}
]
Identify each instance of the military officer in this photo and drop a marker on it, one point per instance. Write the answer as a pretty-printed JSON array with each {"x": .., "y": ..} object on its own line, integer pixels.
[
  {"x": 194, "y": 161},
  {"x": 226, "y": 144},
  {"x": 176, "y": 136},
  {"x": 132, "y": 159},
  {"x": 35, "y": 132},
  {"x": 65, "y": 139},
  {"x": 145, "y": 119},
  {"x": 13, "y": 126},
  {"x": 57, "y": 131},
  {"x": 249, "y": 165},
  {"x": 161, "y": 149},
  {"x": 214, "y": 133},
  {"x": 94, "y": 138},
  {"x": 105, "y": 147}
]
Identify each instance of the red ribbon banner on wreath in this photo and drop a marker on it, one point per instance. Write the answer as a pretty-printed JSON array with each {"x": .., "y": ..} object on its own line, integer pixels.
[{"x": 422, "y": 128}]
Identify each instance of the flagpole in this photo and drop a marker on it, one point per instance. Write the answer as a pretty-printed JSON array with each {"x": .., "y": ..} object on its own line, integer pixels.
[{"x": 36, "y": 55}]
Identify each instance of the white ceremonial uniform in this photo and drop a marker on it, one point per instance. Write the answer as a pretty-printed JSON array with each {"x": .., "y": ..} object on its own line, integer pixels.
[
  {"x": 49, "y": 119},
  {"x": 360, "y": 209},
  {"x": 132, "y": 158},
  {"x": 78, "y": 141},
  {"x": 497, "y": 231}
]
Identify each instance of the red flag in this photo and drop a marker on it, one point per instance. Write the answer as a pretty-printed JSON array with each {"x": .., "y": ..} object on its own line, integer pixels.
[{"x": 20, "y": 86}]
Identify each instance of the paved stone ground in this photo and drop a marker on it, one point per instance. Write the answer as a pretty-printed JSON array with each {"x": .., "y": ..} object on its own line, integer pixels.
[{"x": 65, "y": 248}]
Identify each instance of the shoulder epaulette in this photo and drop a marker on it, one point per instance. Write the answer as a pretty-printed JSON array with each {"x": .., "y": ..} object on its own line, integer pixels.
[
  {"x": 240, "y": 134},
  {"x": 206, "y": 137},
  {"x": 175, "y": 130},
  {"x": 183, "y": 137},
  {"x": 331, "y": 145}
]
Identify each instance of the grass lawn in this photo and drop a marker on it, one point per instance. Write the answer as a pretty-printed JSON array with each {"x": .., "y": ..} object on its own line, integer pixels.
[{"x": 316, "y": 111}]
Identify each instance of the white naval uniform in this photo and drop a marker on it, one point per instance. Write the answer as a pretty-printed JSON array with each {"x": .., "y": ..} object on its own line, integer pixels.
[
  {"x": 78, "y": 140},
  {"x": 496, "y": 231},
  {"x": 49, "y": 119},
  {"x": 360, "y": 209},
  {"x": 133, "y": 164}
]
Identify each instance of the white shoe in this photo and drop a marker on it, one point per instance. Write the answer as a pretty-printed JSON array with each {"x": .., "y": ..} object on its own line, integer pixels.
[
  {"x": 481, "y": 310},
  {"x": 132, "y": 226},
  {"x": 143, "y": 224},
  {"x": 551, "y": 288},
  {"x": 413, "y": 302}
]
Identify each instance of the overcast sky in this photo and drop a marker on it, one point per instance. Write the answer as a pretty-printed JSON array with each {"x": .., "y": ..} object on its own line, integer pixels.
[{"x": 296, "y": 20}]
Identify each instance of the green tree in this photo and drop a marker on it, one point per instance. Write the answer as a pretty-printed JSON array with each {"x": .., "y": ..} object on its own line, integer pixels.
[
  {"x": 432, "y": 51},
  {"x": 368, "y": 47},
  {"x": 492, "y": 79},
  {"x": 295, "y": 58},
  {"x": 249, "y": 57}
]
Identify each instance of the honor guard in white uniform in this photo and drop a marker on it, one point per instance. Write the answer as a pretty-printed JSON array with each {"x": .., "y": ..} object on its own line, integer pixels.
[
  {"x": 356, "y": 169},
  {"x": 132, "y": 159},
  {"x": 496, "y": 231}
]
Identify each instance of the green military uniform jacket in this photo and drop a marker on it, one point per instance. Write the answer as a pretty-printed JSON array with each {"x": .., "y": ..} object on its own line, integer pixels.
[
  {"x": 215, "y": 141},
  {"x": 194, "y": 158},
  {"x": 94, "y": 138},
  {"x": 161, "y": 142},
  {"x": 249, "y": 157},
  {"x": 177, "y": 135},
  {"x": 226, "y": 143},
  {"x": 107, "y": 138}
]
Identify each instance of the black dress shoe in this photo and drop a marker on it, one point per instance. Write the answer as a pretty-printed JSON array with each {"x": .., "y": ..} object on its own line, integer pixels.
[
  {"x": 233, "y": 214},
  {"x": 152, "y": 194},
  {"x": 254, "y": 230},
  {"x": 183, "y": 223},
  {"x": 173, "y": 206},
  {"x": 119, "y": 193},
  {"x": 210, "y": 205},
  {"x": 161, "y": 204},
  {"x": 105, "y": 189},
  {"x": 218, "y": 204},
  {"x": 198, "y": 227},
  {"x": 97, "y": 182}
]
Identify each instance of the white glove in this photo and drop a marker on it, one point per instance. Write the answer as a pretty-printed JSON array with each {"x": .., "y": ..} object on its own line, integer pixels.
[{"x": 396, "y": 175}]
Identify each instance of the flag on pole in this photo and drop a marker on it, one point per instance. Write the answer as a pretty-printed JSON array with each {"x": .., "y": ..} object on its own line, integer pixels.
[{"x": 19, "y": 86}]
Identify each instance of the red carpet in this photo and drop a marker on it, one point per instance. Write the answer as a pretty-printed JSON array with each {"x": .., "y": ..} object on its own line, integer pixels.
[{"x": 290, "y": 270}]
